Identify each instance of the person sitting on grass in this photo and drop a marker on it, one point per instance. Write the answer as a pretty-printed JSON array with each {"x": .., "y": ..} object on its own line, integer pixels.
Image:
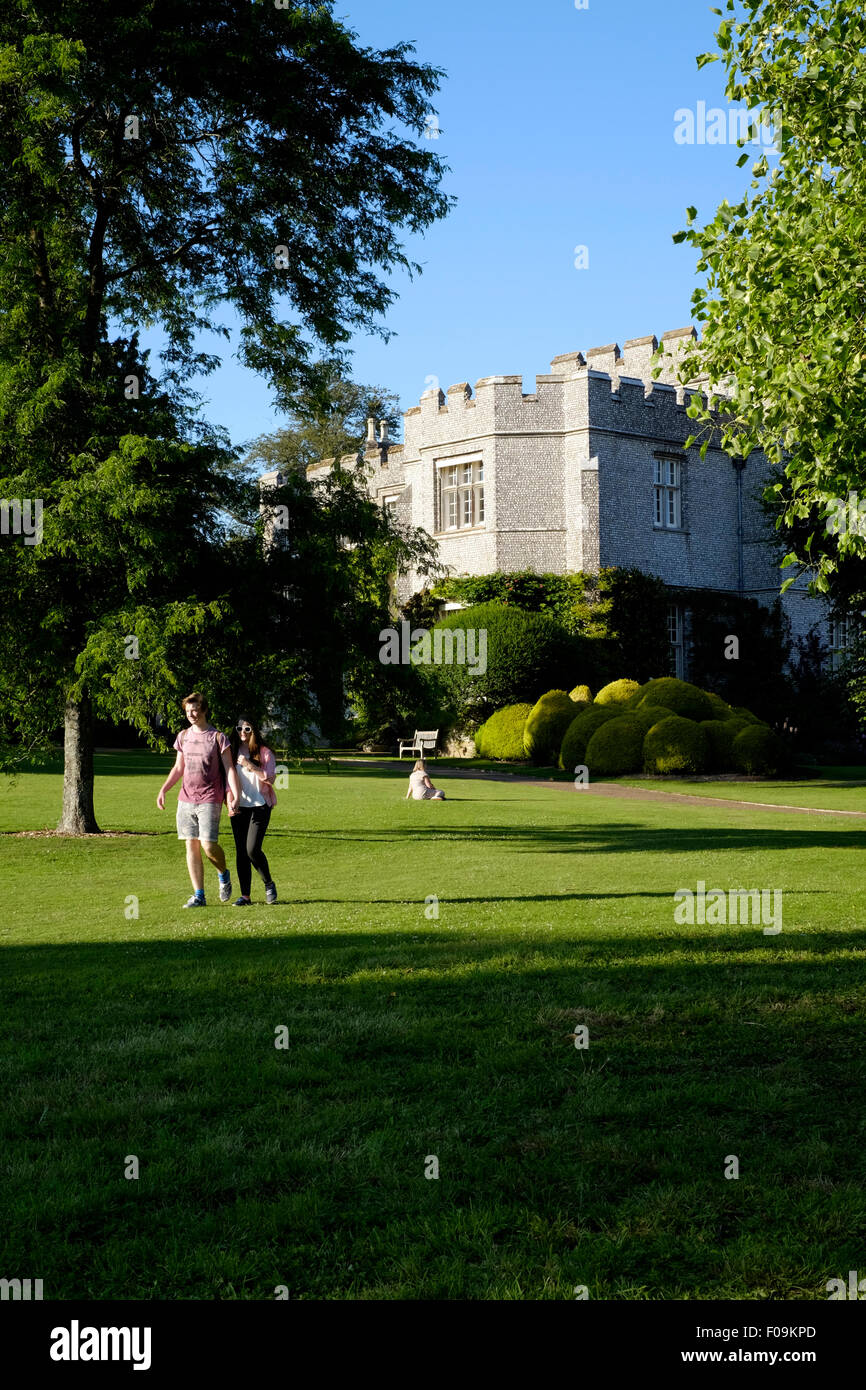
[{"x": 420, "y": 786}]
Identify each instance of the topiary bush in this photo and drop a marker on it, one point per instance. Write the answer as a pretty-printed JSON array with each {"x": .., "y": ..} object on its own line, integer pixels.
[
  {"x": 720, "y": 742},
  {"x": 581, "y": 694},
  {"x": 758, "y": 751},
  {"x": 617, "y": 693},
  {"x": 580, "y": 731},
  {"x": 525, "y": 653},
  {"x": 501, "y": 736},
  {"x": 679, "y": 697},
  {"x": 675, "y": 745},
  {"x": 546, "y": 725},
  {"x": 616, "y": 747},
  {"x": 721, "y": 709},
  {"x": 747, "y": 716}
]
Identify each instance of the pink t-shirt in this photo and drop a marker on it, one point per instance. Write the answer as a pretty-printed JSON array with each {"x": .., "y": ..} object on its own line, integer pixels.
[{"x": 202, "y": 753}]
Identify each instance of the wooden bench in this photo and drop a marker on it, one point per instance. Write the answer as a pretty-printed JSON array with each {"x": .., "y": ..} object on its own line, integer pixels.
[{"x": 422, "y": 740}]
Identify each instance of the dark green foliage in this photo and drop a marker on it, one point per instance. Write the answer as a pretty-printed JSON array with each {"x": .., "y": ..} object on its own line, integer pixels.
[
  {"x": 720, "y": 742},
  {"x": 526, "y": 652},
  {"x": 675, "y": 745},
  {"x": 256, "y": 130},
  {"x": 721, "y": 709},
  {"x": 622, "y": 612},
  {"x": 421, "y": 610},
  {"x": 580, "y": 731},
  {"x": 756, "y": 677},
  {"x": 759, "y": 752},
  {"x": 745, "y": 715},
  {"x": 680, "y": 697},
  {"x": 546, "y": 725},
  {"x": 616, "y": 747},
  {"x": 828, "y": 707},
  {"x": 501, "y": 736}
]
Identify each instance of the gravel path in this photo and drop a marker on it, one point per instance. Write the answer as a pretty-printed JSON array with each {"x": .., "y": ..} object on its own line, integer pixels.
[{"x": 612, "y": 789}]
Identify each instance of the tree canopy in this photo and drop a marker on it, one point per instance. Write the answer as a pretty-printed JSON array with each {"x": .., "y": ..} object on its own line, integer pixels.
[
  {"x": 784, "y": 295},
  {"x": 155, "y": 163}
]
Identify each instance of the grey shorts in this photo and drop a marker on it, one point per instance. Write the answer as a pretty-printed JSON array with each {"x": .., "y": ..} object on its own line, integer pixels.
[{"x": 199, "y": 822}]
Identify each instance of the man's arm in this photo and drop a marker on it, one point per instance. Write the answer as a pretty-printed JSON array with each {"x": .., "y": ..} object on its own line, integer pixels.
[
  {"x": 231, "y": 775},
  {"x": 174, "y": 776}
]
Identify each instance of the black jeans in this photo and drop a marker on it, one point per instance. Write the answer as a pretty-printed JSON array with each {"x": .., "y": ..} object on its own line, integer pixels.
[{"x": 248, "y": 828}]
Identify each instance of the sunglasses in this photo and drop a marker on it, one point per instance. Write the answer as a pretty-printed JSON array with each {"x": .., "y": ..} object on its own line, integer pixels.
[{"x": 244, "y": 728}]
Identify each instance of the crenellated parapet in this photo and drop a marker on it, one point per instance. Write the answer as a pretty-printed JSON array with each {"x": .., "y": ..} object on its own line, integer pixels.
[{"x": 560, "y": 398}]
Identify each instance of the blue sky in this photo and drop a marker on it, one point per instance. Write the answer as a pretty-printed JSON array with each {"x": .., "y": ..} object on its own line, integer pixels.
[{"x": 558, "y": 124}]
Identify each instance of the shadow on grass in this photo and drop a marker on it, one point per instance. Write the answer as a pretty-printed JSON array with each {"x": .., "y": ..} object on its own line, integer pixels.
[
  {"x": 299, "y": 1165},
  {"x": 601, "y": 838}
]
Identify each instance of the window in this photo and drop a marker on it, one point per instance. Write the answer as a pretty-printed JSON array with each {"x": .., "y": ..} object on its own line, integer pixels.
[
  {"x": 675, "y": 635},
  {"x": 389, "y": 502},
  {"x": 667, "y": 495},
  {"x": 461, "y": 496},
  {"x": 840, "y": 639}
]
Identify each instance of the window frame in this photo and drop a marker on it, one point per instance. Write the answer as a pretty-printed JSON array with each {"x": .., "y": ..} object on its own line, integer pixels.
[
  {"x": 667, "y": 493},
  {"x": 460, "y": 501}
]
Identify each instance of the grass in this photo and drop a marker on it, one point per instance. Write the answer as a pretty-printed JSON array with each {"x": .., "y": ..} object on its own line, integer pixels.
[{"x": 412, "y": 1035}]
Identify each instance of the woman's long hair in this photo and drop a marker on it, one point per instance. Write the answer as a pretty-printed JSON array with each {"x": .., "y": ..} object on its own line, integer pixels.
[{"x": 255, "y": 740}]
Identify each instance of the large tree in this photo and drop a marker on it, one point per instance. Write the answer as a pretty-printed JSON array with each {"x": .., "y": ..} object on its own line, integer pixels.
[
  {"x": 783, "y": 301},
  {"x": 329, "y": 426},
  {"x": 156, "y": 162}
]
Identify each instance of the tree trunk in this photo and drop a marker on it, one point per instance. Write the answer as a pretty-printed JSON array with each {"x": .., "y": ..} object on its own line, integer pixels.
[{"x": 78, "y": 815}]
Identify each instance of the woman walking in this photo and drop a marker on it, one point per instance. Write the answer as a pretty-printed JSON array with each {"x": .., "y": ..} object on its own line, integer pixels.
[{"x": 256, "y": 766}]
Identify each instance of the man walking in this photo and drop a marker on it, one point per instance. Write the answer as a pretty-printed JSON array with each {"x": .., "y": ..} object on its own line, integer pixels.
[{"x": 203, "y": 767}]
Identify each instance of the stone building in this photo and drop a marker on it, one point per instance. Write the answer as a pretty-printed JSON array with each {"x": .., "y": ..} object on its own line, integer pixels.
[{"x": 587, "y": 471}]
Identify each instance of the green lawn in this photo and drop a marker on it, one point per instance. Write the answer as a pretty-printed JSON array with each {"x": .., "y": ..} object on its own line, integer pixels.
[{"x": 412, "y": 1036}]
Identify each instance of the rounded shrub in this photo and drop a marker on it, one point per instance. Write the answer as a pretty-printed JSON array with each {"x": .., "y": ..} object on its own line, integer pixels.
[
  {"x": 522, "y": 653},
  {"x": 758, "y": 751},
  {"x": 616, "y": 747},
  {"x": 501, "y": 736},
  {"x": 581, "y": 694},
  {"x": 546, "y": 725},
  {"x": 580, "y": 731},
  {"x": 617, "y": 693},
  {"x": 721, "y": 709},
  {"x": 720, "y": 742},
  {"x": 746, "y": 714},
  {"x": 680, "y": 697},
  {"x": 675, "y": 745},
  {"x": 647, "y": 717}
]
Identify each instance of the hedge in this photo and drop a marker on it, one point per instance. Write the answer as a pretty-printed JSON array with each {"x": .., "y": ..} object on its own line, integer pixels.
[
  {"x": 675, "y": 745},
  {"x": 546, "y": 725},
  {"x": 617, "y": 693},
  {"x": 581, "y": 694},
  {"x": 501, "y": 736},
  {"x": 616, "y": 747},
  {"x": 680, "y": 697},
  {"x": 581, "y": 729},
  {"x": 758, "y": 751}
]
